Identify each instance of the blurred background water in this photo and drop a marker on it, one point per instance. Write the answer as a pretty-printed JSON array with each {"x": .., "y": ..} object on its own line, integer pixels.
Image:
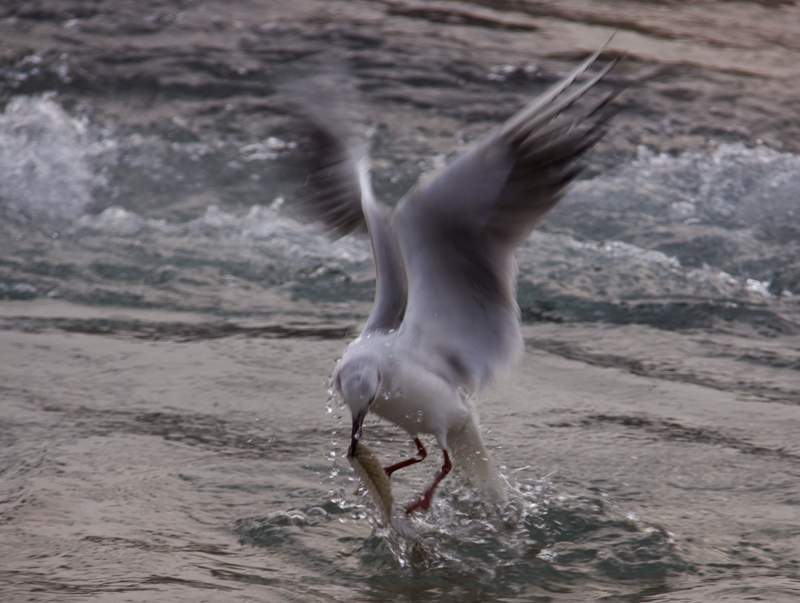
[{"x": 168, "y": 325}]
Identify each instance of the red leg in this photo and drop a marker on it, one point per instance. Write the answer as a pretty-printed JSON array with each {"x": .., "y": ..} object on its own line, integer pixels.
[
  {"x": 421, "y": 454},
  {"x": 424, "y": 501}
]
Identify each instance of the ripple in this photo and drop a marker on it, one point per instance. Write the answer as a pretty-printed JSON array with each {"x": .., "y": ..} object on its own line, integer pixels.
[{"x": 541, "y": 541}]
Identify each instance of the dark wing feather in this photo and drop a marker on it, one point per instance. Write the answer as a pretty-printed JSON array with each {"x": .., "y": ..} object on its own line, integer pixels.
[
  {"x": 333, "y": 187},
  {"x": 341, "y": 199}
]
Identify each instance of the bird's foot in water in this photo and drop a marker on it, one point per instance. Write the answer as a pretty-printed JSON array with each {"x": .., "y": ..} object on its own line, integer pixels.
[
  {"x": 423, "y": 502},
  {"x": 421, "y": 454}
]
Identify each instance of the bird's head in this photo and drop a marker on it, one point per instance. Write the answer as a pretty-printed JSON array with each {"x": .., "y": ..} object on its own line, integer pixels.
[{"x": 359, "y": 381}]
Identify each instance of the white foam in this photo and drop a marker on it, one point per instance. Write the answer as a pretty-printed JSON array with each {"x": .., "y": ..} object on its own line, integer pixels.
[
  {"x": 44, "y": 159},
  {"x": 274, "y": 233},
  {"x": 733, "y": 186}
]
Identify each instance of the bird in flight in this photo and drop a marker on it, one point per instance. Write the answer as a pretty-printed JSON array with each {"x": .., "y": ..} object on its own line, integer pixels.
[{"x": 445, "y": 321}]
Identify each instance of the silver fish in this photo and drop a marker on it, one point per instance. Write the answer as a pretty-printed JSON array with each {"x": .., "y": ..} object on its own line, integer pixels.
[{"x": 369, "y": 469}]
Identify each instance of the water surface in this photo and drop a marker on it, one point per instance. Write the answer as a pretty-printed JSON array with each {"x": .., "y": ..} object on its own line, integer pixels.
[{"x": 168, "y": 326}]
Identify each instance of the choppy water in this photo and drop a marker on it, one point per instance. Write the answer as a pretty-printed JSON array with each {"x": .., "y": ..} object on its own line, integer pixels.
[
  {"x": 687, "y": 235},
  {"x": 168, "y": 327}
]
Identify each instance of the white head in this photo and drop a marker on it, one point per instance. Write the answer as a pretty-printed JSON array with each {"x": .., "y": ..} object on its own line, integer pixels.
[{"x": 359, "y": 380}]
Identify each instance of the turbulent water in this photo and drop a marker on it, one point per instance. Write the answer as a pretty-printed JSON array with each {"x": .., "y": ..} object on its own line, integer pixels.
[{"x": 168, "y": 325}]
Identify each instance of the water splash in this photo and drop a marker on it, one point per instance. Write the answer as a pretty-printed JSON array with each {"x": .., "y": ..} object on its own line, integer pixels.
[
  {"x": 542, "y": 539},
  {"x": 46, "y": 159}
]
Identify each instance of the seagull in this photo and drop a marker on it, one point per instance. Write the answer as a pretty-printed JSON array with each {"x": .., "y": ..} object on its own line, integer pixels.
[{"x": 445, "y": 322}]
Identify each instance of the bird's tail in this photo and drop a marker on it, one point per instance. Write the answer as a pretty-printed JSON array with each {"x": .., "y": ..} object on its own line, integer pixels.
[{"x": 470, "y": 454}]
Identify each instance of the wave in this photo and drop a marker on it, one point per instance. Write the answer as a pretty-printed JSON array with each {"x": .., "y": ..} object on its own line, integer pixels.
[{"x": 163, "y": 217}]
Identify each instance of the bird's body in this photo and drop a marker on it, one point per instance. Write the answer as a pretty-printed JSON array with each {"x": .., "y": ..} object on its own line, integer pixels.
[
  {"x": 420, "y": 399},
  {"x": 408, "y": 385},
  {"x": 445, "y": 320}
]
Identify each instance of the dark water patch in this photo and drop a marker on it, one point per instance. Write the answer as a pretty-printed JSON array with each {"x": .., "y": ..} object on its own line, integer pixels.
[
  {"x": 207, "y": 431},
  {"x": 175, "y": 331},
  {"x": 460, "y": 16},
  {"x": 671, "y": 315},
  {"x": 168, "y": 580},
  {"x": 18, "y": 291},
  {"x": 244, "y": 577},
  {"x": 118, "y": 542},
  {"x": 130, "y": 273},
  {"x": 766, "y": 358},
  {"x": 47, "y": 584},
  {"x": 767, "y": 587},
  {"x": 266, "y": 531},
  {"x": 663, "y": 429},
  {"x": 618, "y": 20},
  {"x": 663, "y": 370},
  {"x": 223, "y": 436},
  {"x": 292, "y": 539}
]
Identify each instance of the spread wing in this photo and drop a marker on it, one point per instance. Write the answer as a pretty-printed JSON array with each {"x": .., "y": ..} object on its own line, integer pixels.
[
  {"x": 458, "y": 231},
  {"x": 341, "y": 199}
]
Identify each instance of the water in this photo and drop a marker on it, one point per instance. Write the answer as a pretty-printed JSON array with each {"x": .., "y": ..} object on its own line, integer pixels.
[{"x": 168, "y": 327}]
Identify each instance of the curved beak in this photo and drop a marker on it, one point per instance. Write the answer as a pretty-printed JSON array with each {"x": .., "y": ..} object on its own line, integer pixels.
[{"x": 355, "y": 435}]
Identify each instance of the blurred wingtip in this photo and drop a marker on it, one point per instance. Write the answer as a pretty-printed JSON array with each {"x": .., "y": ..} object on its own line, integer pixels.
[{"x": 324, "y": 106}]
